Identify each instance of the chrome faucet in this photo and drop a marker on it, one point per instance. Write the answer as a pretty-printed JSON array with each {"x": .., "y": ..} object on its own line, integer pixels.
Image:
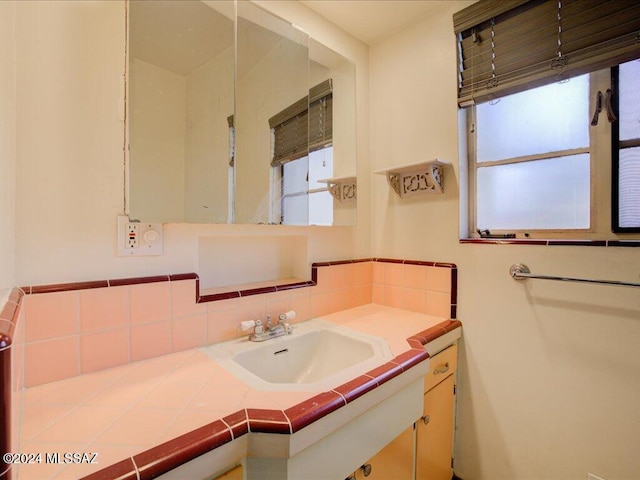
[{"x": 262, "y": 332}]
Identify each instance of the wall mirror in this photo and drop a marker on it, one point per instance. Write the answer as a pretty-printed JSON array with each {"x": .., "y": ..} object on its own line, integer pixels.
[{"x": 235, "y": 116}]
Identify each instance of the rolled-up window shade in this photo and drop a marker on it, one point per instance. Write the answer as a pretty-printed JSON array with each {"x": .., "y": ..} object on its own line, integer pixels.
[
  {"x": 290, "y": 130},
  {"x": 305, "y": 126},
  {"x": 507, "y": 46},
  {"x": 321, "y": 116}
]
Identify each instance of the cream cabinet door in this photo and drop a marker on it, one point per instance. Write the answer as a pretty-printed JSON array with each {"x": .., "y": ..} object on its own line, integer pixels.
[
  {"x": 393, "y": 462},
  {"x": 434, "y": 433},
  {"x": 233, "y": 474}
]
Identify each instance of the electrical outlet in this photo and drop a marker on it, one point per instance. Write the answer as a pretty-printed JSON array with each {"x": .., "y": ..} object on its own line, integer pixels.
[
  {"x": 591, "y": 476},
  {"x": 132, "y": 233},
  {"x": 138, "y": 239}
]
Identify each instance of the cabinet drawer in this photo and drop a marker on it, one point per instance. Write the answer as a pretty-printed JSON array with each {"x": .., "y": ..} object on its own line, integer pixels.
[{"x": 441, "y": 366}]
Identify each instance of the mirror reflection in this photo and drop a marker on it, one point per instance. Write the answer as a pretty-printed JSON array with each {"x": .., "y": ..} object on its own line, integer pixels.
[
  {"x": 273, "y": 158},
  {"x": 181, "y": 93}
]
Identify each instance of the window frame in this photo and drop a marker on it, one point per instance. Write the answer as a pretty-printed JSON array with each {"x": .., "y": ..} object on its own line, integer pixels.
[
  {"x": 616, "y": 146},
  {"x": 600, "y": 173}
]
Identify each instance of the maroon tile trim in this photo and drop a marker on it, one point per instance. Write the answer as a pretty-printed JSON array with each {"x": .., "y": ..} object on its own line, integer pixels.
[
  {"x": 313, "y": 409},
  {"x": 552, "y": 242},
  {"x": 66, "y": 287},
  {"x": 502, "y": 241},
  {"x": 578, "y": 243},
  {"x": 124, "y": 470},
  {"x": 184, "y": 276},
  {"x": 16, "y": 295},
  {"x": 238, "y": 423},
  {"x": 389, "y": 260},
  {"x": 257, "y": 291},
  {"x": 418, "y": 262},
  {"x": 623, "y": 243},
  {"x": 291, "y": 286},
  {"x": 385, "y": 372},
  {"x": 424, "y": 263},
  {"x": 5, "y": 407},
  {"x": 217, "y": 297},
  {"x": 410, "y": 358},
  {"x": 7, "y": 312},
  {"x": 356, "y": 387},
  {"x": 340, "y": 262},
  {"x": 6, "y": 337},
  {"x": 268, "y": 421},
  {"x": 121, "y": 282},
  {"x": 321, "y": 264},
  {"x": 453, "y": 313},
  {"x": 450, "y": 325},
  {"x": 454, "y": 286},
  {"x": 314, "y": 274},
  {"x": 169, "y": 455}
]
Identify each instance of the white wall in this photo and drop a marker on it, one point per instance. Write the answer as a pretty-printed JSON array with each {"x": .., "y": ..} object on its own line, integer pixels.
[
  {"x": 7, "y": 145},
  {"x": 549, "y": 383},
  {"x": 70, "y": 159}
]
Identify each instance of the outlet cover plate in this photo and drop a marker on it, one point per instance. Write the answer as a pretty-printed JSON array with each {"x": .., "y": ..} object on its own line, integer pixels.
[
  {"x": 137, "y": 239},
  {"x": 591, "y": 476}
]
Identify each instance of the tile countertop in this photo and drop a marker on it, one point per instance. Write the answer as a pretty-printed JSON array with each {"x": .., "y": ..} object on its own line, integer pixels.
[{"x": 123, "y": 411}]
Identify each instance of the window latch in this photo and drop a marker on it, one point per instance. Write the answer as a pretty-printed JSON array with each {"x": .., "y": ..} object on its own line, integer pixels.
[
  {"x": 596, "y": 114},
  {"x": 610, "y": 115}
]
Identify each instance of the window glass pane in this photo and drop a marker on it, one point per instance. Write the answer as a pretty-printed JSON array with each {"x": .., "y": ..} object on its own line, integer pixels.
[
  {"x": 295, "y": 200},
  {"x": 629, "y": 188},
  {"x": 320, "y": 203},
  {"x": 542, "y": 194},
  {"x": 629, "y": 104},
  {"x": 541, "y": 120}
]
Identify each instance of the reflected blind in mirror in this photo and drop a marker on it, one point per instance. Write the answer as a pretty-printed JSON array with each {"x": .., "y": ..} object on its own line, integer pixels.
[{"x": 303, "y": 127}]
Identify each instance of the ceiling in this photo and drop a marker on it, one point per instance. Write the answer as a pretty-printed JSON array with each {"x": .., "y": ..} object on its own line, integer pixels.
[{"x": 373, "y": 20}]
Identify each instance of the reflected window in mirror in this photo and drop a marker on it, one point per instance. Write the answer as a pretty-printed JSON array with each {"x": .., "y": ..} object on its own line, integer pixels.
[
  {"x": 306, "y": 201},
  {"x": 301, "y": 155}
]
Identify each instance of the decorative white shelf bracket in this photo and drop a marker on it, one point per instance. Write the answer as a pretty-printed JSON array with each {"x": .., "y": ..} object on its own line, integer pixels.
[
  {"x": 342, "y": 188},
  {"x": 415, "y": 178}
]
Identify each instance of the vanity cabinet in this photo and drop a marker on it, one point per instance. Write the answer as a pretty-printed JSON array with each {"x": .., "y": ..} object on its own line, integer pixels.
[
  {"x": 393, "y": 461},
  {"x": 425, "y": 448},
  {"x": 434, "y": 431},
  {"x": 233, "y": 474}
]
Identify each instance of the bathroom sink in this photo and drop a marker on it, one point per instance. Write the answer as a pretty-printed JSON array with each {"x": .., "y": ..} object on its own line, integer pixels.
[{"x": 318, "y": 355}]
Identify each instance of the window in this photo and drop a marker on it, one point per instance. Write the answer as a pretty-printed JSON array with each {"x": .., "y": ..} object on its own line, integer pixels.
[
  {"x": 305, "y": 201},
  {"x": 626, "y": 151},
  {"x": 535, "y": 85},
  {"x": 532, "y": 164}
]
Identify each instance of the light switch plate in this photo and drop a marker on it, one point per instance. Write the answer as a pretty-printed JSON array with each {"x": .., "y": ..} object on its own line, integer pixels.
[{"x": 137, "y": 239}]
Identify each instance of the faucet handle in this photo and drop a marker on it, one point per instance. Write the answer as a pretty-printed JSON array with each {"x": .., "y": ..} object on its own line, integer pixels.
[
  {"x": 255, "y": 324},
  {"x": 290, "y": 315},
  {"x": 247, "y": 324}
]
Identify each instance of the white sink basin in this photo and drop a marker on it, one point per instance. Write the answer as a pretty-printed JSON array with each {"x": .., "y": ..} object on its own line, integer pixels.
[{"x": 318, "y": 355}]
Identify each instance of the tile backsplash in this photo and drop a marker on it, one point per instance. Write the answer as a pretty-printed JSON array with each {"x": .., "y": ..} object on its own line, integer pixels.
[{"x": 71, "y": 329}]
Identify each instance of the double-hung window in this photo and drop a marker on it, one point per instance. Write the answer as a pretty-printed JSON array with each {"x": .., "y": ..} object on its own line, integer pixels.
[
  {"x": 540, "y": 103},
  {"x": 626, "y": 148}
]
